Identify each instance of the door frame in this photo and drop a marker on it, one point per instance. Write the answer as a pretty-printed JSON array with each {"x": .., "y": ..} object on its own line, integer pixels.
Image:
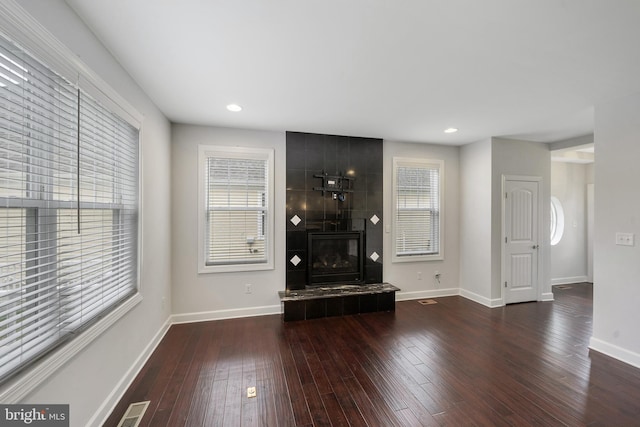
[
  {"x": 590, "y": 230},
  {"x": 541, "y": 248}
]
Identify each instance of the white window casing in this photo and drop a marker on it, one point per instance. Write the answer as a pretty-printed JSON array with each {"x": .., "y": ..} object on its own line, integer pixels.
[
  {"x": 418, "y": 211},
  {"x": 235, "y": 209}
]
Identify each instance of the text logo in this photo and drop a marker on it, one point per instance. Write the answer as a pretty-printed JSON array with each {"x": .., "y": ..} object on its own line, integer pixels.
[{"x": 34, "y": 415}]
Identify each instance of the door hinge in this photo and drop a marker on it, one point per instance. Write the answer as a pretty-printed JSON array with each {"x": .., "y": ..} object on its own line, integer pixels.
[
  {"x": 505, "y": 240},
  {"x": 505, "y": 284},
  {"x": 506, "y": 195}
]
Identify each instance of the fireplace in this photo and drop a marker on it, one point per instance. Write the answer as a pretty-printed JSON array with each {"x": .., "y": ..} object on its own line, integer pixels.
[
  {"x": 335, "y": 227},
  {"x": 335, "y": 258},
  {"x": 334, "y": 184}
]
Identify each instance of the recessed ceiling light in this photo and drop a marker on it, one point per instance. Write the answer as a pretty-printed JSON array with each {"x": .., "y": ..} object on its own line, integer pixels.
[
  {"x": 450, "y": 130},
  {"x": 234, "y": 107}
]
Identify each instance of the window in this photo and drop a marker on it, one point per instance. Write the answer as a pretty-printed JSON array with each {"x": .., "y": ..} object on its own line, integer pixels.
[
  {"x": 68, "y": 209},
  {"x": 557, "y": 221},
  {"x": 417, "y": 209},
  {"x": 235, "y": 202}
]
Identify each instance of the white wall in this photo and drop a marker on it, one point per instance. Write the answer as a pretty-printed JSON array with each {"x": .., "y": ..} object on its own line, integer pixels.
[
  {"x": 405, "y": 274},
  {"x": 482, "y": 166},
  {"x": 475, "y": 221},
  {"x": 220, "y": 295},
  {"x": 513, "y": 157},
  {"x": 569, "y": 256},
  {"x": 617, "y": 209},
  {"x": 88, "y": 379}
]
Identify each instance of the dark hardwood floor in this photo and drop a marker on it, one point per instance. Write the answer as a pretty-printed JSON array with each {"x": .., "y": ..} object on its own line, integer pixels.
[{"x": 454, "y": 363}]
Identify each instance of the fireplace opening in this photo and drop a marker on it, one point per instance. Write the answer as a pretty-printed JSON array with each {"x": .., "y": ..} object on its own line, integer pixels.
[{"x": 335, "y": 258}]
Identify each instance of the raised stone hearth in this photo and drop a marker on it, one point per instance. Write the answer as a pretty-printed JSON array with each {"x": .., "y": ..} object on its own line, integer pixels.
[{"x": 328, "y": 301}]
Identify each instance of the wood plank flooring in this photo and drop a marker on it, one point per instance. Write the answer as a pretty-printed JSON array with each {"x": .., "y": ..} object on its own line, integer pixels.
[{"x": 454, "y": 363}]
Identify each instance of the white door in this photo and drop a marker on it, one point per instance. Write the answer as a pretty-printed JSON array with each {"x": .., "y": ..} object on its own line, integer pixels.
[{"x": 521, "y": 240}]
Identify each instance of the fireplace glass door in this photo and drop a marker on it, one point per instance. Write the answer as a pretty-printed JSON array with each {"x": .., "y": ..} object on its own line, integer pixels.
[{"x": 335, "y": 258}]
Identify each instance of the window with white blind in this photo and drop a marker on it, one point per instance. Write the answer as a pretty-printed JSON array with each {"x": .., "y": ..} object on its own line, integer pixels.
[
  {"x": 417, "y": 209},
  {"x": 68, "y": 209},
  {"x": 236, "y": 186}
]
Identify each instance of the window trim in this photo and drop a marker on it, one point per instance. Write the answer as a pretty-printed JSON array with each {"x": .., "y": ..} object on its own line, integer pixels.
[
  {"x": 417, "y": 162},
  {"x": 206, "y": 151},
  {"x": 17, "y": 24}
]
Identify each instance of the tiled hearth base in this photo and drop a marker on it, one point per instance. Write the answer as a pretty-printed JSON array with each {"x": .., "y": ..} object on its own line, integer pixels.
[{"x": 317, "y": 302}]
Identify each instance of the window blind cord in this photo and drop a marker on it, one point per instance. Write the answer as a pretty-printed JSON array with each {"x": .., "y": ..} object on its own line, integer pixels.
[{"x": 78, "y": 163}]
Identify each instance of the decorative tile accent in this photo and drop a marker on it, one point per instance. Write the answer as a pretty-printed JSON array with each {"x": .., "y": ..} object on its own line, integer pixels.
[
  {"x": 295, "y": 220},
  {"x": 374, "y": 219},
  {"x": 295, "y": 260},
  {"x": 374, "y": 256}
]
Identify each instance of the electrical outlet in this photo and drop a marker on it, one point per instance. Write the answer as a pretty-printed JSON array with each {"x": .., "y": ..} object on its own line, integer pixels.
[
  {"x": 248, "y": 288},
  {"x": 625, "y": 239},
  {"x": 251, "y": 392}
]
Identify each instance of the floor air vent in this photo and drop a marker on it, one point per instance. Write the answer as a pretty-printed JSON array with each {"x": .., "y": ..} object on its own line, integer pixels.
[
  {"x": 134, "y": 414},
  {"x": 427, "y": 301}
]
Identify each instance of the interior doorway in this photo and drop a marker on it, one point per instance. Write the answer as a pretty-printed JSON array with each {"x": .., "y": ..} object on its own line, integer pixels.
[{"x": 572, "y": 187}]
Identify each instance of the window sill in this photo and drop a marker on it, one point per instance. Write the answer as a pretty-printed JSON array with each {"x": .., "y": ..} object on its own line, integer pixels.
[
  {"x": 417, "y": 258},
  {"x": 235, "y": 268},
  {"x": 25, "y": 383}
]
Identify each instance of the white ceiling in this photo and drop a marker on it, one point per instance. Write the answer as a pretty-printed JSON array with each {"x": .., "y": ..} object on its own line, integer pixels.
[
  {"x": 582, "y": 154},
  {"x": 402, "y": 70}
]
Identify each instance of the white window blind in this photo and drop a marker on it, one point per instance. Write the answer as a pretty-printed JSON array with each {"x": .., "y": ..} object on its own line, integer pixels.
[
  {"x": 68, "y": 209},
  {"x": 236, "y": 210},
  {"x": 416, "y": 207},
  {"x": 237, "y": 197}
]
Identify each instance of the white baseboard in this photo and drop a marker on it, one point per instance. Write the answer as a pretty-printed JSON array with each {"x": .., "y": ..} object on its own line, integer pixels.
[
  {"x": 568, "y": 280},
  {"x": 123, "y": 385},
  {"x": 204, "y": 316},
  {"x": 622, "y": 354},
  {"x": 487, "y": 302},
  {"x": 547, "y": 296},
  {"x": 435, "y": 293}
]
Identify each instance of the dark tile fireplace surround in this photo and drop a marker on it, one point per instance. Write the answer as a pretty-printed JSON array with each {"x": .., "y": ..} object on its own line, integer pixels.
[{"x": 334, "y": 198}]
